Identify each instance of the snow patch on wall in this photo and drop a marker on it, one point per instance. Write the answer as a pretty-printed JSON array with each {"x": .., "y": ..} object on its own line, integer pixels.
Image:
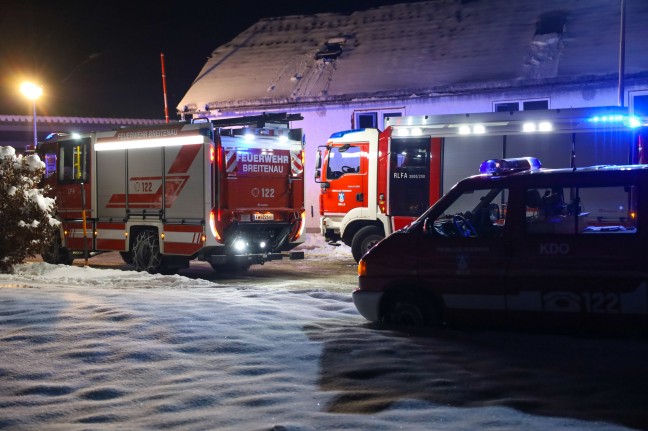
[{"x": 543, "y": 57}]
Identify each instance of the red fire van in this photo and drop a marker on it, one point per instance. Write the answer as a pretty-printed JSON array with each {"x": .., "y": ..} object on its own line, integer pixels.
[{"x": 519, "y": 245}]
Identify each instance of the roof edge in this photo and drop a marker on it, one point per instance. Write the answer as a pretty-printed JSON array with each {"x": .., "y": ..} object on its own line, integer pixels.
[{"x": 437, "y": 91}]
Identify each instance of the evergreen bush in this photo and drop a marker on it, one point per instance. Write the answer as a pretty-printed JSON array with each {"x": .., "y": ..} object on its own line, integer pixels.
[{"x": 26, "y": 221}]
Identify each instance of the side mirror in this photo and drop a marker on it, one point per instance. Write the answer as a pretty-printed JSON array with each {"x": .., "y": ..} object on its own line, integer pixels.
[{"x": 325, "y": 185}]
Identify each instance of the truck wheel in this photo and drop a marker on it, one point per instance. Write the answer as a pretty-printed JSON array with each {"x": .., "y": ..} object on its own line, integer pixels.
[
  {"x": 54, "y": 253},
  {"x": 146, "y": 252},
  {"x": 127, "y": 257},
  {"x": 364, "y": 239}
]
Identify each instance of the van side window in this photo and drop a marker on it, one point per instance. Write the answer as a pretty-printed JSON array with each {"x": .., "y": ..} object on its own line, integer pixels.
[
  {"x": 475, "y": 213},
  {"x": 580, "y": 210}
]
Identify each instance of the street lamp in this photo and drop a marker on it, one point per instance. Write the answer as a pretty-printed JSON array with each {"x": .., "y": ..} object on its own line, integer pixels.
[{"x": 32, "y": 92}]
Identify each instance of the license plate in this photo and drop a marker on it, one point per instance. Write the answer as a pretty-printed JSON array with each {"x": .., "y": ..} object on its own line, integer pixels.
[{"x": 263, "y": 217}]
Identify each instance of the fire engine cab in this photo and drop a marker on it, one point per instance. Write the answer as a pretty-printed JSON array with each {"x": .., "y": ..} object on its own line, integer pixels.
[
  {"x": 519, "y": 246},
  {"x": 376, "y": 182},
  {"x": 229, "y": 192}
]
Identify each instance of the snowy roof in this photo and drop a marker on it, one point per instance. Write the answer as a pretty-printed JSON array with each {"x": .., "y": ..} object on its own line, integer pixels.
[{"x": 442, "y": 46}]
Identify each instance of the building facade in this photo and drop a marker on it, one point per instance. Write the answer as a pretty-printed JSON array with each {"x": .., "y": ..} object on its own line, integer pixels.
[{"x": 426, "y": 58}]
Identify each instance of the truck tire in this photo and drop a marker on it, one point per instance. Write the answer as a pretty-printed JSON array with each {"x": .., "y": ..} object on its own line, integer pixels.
[
  {"x": 54, "y": 253},
  {"x": 146, "y": 252},
  {"x": 364, "y": 239},
  {"x": 127, "y": 257}
]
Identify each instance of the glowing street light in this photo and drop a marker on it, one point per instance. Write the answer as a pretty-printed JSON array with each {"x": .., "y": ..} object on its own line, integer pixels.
[{"x": 32, "y": 92}]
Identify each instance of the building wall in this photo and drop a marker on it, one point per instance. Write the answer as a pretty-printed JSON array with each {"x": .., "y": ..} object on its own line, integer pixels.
[{"x": 322, "y": 121}]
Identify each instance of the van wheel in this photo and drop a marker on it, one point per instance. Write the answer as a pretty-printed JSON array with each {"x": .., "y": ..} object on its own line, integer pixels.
[
  {"x": 364, "y": 240},
  {"x": 54, "y": 253},
  {"x": 146, "y": 252},
  {"x": 414, "y": 311}
]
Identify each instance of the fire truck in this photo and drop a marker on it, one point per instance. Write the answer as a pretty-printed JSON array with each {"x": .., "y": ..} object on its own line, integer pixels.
[
  {"x": 375, "y": 182},
  {"x": 228, "y": 191}
]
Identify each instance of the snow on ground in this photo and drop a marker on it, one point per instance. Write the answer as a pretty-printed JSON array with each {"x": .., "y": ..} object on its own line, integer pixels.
[{"x": 88, "y": 348}]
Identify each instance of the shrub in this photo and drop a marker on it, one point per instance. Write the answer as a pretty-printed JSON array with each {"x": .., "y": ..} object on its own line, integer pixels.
[{"x": 26, "y": 221}]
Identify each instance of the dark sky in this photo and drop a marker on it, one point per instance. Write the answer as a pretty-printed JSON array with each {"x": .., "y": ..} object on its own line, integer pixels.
[{"x": 102, "y": 59}]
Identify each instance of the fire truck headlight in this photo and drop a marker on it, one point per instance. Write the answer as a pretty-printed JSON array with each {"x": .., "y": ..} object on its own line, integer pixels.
[
  {"x": 262, "y": 244},
  {"x": 239, "y": 245}
]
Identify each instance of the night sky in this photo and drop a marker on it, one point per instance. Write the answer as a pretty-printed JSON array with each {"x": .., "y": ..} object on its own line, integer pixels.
[{"x": 102, "y": 59}]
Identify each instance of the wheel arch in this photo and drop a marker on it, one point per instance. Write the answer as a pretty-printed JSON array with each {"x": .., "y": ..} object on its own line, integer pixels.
[{"x": 353, "y": 228}]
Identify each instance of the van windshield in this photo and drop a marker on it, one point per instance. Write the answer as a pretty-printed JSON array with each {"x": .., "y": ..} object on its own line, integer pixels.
[{"x": 474, "y": 213}]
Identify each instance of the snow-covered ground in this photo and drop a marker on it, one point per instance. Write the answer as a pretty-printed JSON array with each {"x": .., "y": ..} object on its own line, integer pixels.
[{"x": 99, "y": 348}]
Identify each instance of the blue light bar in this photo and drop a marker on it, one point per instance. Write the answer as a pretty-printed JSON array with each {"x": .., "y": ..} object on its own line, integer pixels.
[
  {"x": 507, "y": 166},
  {"x": 344, "y": 132},
  {"x": 630, "y": 121}
]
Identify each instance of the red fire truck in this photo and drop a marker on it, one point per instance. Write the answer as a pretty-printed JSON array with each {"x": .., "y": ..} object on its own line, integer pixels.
[
  {"x": 229, "y": 192},
  {"x": 376, "y": 182}
]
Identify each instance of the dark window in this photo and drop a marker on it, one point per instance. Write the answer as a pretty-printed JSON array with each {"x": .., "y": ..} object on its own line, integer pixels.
[
  {"x": 367, "y": 120},
  {"x": 640, "y": 105},
  {"x": 535, "y": 105},
  {"x": 391, "y": 115},
  {"x": 409, "y": 181},
  {"x": 530, "y": 105},
  {"x": 506, "y": 107}
]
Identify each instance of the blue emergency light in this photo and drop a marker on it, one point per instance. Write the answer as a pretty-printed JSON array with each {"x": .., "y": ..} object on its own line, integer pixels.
[
  {"x": 631, "y": 121},
  {"x": 344, "y": 132},
  {"x": 506, "y": 166}
]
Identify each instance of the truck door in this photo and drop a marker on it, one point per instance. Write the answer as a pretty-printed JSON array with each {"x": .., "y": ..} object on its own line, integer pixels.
[
  {"x": 409, "y": 192},
  {"x": 73, "y": 170},
  {"x": 346, "y": 172},
  {"x": 73, "y": 191}
]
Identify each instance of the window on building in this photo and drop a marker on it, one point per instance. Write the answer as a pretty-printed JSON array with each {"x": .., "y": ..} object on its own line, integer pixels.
[
  {"x": 390, "y": 114},
  {"x": 507, "y": 106},
  {"x": 639, "y": 105},
  {"x": 374, "y": 119},
  {"x": 521, "y": 105},
  {"x": 365, "y": 120},
  {"x": 535, "y": 105}
]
